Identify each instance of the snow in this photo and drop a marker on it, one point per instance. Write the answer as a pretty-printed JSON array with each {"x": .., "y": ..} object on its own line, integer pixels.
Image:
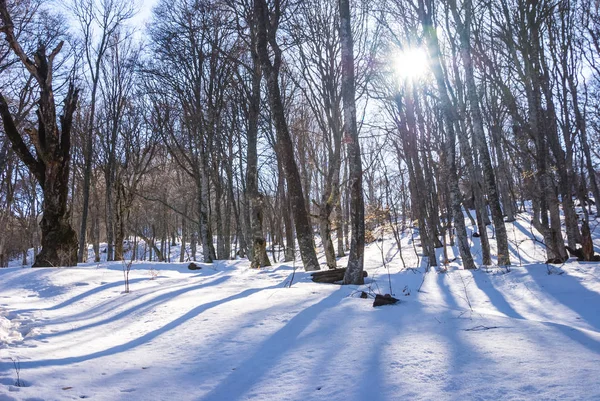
[{"x": 228, "y": 332}]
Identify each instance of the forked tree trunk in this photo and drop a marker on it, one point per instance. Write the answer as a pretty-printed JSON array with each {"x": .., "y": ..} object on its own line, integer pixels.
[
  {"x": 53, "y": 151},
  {"x": 208, "y": 254},
  {"x": 267, "y": 23},
  {"x": 325, "y": 232}
]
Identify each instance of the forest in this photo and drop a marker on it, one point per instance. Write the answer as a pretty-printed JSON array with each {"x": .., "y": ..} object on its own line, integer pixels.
[
  {"x": 246, "y": 128},
  {"x": 214, "y": 200}
]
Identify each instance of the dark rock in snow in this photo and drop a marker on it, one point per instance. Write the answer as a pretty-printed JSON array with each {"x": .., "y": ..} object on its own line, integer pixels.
[
  {"x": 193, "y": 266},
  {"x": 556, "y": 261},
  {"x": 386, "y": 299}
]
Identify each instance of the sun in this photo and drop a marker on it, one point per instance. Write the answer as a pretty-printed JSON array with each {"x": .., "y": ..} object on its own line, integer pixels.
[{"x": 411, "y": 63}]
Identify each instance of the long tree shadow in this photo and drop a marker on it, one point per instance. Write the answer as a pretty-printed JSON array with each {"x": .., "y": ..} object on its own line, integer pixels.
[
  {"x": 370, "y": 385},
  {"x": 140, "y": 340},
  {"x": 517, "y": 254},
  {"x": 83, "y": 295},
  {"x": 34, "y": 280},
  {"x": 269, "y": 353},
  {"x": 120, "y": 300},
  {"x": 461, "y": 356},
  {"x": 575, "y": 296},
  {"x": 495, "y": 296},
  {"x": 138, "y": 308},
  {"x": 576, "y": 334}
]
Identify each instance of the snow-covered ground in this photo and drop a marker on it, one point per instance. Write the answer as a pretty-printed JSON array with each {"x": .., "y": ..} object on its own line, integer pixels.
[{"x": 227, "y": 332}]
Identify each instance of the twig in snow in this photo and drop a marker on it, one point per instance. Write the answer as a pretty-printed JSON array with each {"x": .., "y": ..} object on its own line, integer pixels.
[
  {"x": 465, "y": 290},
  {"x": 555, "y": 269},
  {"x": 482, "y": 328},
  {"x": 17, "y": 366},
  {"x": 424, "y": 274},
  {"x": 293, "y": 272},
  {"x": 383, "y": 261},
  {"x": 126, "y": 270},
  {"x": 517, "y": 244}
]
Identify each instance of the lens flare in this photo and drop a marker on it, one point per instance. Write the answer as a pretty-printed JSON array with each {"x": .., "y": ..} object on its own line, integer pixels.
[{"x": 411, "y": 63}]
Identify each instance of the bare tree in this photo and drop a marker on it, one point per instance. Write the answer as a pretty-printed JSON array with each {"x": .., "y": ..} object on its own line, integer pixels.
[
  {"x": 52, "y": 142},
  {"x": 268, "y": 22},
  {"x": 354, "y": 272},
  {"x": 106, "y": 17}
]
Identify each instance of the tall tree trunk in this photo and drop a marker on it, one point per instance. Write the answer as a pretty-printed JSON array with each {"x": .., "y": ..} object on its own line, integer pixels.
[
  {"x": 339, "y": 227},
  {"x": 52, "y": 164},
  {"x": 219, "y": 217},
  {"x": 354, "y": 271},
  {"x": 267, "y": 37},
  {"x": 258, "y": 250},
  {"x": 88, "y": 156},
  {"x": 431, "y": 39},
  {"x": 208, "y": 252}
]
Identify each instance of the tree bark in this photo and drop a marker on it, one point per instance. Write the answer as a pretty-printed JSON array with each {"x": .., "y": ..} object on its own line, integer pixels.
[
  {"x": 425, "y": 15},
  {"x": 258, "y": 250},
  {"x": 267, "y": 23},
  {"x": 354, "y": 271},
  {"x": 479, "y": 133},
  {"x": 53, "y": 150}
]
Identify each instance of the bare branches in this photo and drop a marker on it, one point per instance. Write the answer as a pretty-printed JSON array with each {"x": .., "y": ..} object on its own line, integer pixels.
[{"x": 18, "y": 145}]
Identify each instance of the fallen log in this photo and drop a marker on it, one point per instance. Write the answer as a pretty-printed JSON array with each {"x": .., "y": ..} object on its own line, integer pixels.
[{"x": 331, "y": 276}]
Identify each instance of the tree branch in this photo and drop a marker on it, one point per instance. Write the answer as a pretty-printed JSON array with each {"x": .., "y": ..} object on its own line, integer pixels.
[{"x": 18, "y": 144}]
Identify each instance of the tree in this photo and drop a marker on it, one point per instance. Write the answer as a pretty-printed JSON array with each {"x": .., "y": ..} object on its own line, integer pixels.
[
  {"x": 108, "y": 16},
  {"x": 267, "y": 25},
  {"x": 354, "y": 271},
  {"x": 464, "y": 32},
  {"x": 52, "y": 142},
  {"x": 426, "y": 13},
  {"x": 319, "y": 74}
]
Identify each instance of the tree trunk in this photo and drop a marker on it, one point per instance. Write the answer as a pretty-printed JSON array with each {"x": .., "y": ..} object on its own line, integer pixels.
[
  {"x": 258, "y": 250},
  {"x": 449, "y": 119},
  {"x": 203, "y": 226},
  {"x": 87, "y": 174},
  {"x": 267, "y": 37},
  {"x": 182, "y": 248},
  {"x": 339, "y": 222},
  {"x": 53, "y": 151},
  {"x": 354, "y": 271}
]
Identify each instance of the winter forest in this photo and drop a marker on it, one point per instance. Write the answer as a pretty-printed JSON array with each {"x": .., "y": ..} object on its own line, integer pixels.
[{"x": 217, "y": 192}]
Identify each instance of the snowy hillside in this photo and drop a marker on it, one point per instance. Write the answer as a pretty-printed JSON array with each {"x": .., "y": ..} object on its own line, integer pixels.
[{"x": 227, "y": 332}]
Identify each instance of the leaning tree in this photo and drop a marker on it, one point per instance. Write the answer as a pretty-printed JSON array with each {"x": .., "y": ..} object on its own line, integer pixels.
[{"x": 52, "y": 142}]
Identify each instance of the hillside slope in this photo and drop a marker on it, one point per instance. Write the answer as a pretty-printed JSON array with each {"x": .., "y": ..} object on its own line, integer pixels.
[{"x": 227, "y": 332}]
